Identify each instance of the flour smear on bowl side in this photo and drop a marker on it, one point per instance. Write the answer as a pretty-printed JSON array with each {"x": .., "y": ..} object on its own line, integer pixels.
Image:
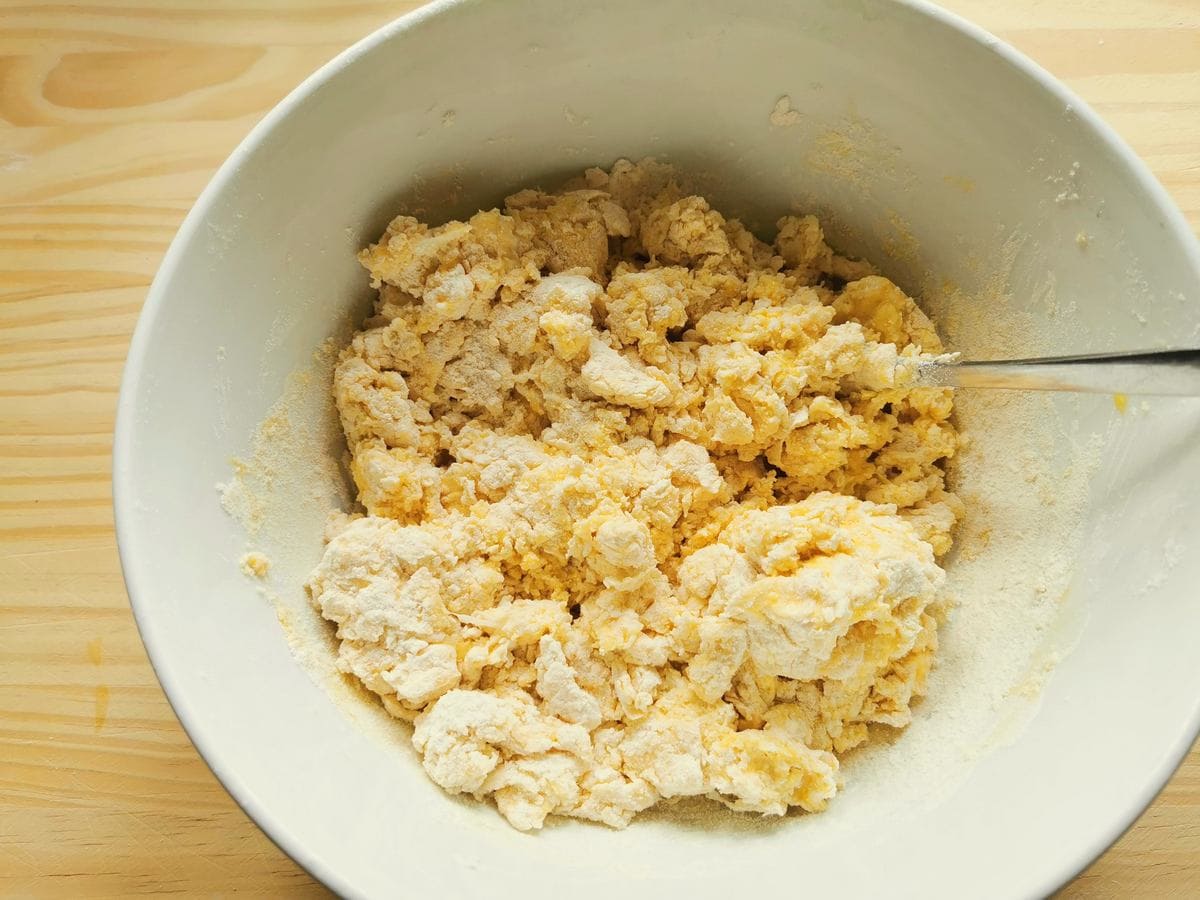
[{"x": 648, "y": 513}]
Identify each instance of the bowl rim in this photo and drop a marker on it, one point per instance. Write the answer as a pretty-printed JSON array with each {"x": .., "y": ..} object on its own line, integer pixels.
[{"x": 123, "y": 475}]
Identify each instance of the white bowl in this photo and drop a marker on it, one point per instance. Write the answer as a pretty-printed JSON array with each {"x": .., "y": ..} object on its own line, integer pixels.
[{"x": 931, "y": 147}]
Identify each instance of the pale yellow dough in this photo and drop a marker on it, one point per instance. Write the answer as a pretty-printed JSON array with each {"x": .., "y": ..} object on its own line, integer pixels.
[{"x": 647, "y": 513}]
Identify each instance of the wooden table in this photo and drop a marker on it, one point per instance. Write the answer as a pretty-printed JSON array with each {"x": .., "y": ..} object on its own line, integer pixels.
[{"x": 113, "y": 115}]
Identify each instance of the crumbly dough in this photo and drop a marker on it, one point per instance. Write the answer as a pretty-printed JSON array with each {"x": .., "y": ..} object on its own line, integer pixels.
[
  {"x": 648, "y": 513},
  {"x": 254, "y": 564}
]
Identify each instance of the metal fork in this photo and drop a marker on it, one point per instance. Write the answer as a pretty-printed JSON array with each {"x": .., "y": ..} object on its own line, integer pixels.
[{"x": 1161, "y": 372}]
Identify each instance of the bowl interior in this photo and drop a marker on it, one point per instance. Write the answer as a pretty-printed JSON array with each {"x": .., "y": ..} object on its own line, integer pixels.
[{"x": 1017, "y": 219}]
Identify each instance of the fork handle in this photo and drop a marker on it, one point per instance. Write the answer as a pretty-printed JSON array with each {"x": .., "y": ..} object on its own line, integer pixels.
[{"x": 1162, "y": 372}]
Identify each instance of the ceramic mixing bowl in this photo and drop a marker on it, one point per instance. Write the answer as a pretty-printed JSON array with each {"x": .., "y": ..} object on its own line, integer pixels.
[{"x": 931, "y": 148}]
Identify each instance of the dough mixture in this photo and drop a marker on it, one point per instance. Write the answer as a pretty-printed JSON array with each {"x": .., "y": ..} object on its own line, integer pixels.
[{"x": 647, "y": 511}]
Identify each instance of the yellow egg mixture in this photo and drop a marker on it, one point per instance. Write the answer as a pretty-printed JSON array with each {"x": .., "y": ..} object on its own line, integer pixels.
[{"x": 648, "y": 512}]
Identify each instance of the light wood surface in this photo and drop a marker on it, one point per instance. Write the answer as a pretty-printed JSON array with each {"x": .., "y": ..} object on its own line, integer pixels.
[{"x": 113, "y": 115}]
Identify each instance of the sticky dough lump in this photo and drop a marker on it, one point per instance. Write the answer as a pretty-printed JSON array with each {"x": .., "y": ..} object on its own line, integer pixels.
[{"x": 646, "y": 512}]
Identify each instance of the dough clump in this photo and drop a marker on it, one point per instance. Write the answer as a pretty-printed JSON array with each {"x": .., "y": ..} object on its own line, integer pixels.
[{"x": 646, "y": 512}]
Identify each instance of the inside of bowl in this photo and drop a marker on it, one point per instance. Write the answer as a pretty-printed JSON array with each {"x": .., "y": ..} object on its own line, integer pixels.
[{"x": 1068, "y": 682}]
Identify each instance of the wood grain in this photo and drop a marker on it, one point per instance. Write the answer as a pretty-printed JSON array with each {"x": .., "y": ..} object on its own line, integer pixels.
[{"x": 113, "y": 115}]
